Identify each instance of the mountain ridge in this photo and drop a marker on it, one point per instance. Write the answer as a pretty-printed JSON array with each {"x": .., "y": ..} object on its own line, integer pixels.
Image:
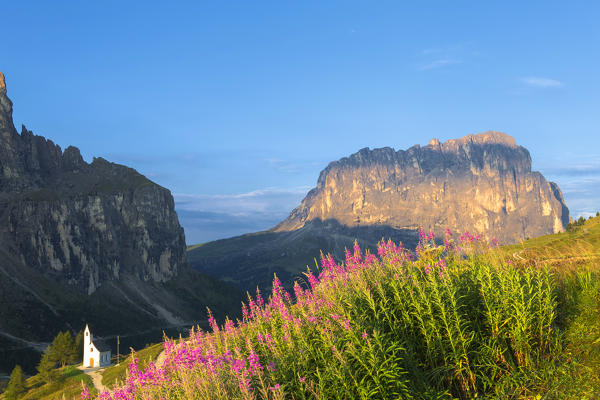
[
  {"x": 94, "y": 243},
  {"x": 427, "y": 186}
]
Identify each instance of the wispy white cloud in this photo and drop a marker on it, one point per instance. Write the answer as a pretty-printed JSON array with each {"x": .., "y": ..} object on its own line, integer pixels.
[
  {"x": 283, "y": 166},
  {"x": 439, "y": 63},
  {"x": 580, "y": 165},
  {"x": 214, "y": 216},
  {"x": 539, "y": 82},
  {"x": 271, "y": 200},
  {"x": 440, "y": 57}
]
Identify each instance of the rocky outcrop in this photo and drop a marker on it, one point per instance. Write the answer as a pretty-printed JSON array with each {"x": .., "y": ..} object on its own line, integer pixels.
[
  {"x": 82, "y": 223},
  {"x": 481, "y": 183}
]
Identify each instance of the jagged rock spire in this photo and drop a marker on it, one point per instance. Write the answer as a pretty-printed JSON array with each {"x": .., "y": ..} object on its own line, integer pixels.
[
  {"x": 5, "y": 108},
  {"x": 7, "y": 129}
]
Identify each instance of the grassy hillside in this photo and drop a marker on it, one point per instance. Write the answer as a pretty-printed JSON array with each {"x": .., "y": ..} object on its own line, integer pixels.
[
  {"x": 579, "y": 245},
  {"x": 68, "y": 382},
  {"x": 461, "y": 321},
  {"x": 68, "y": 385},
  {"x": 117, "y": 373}
]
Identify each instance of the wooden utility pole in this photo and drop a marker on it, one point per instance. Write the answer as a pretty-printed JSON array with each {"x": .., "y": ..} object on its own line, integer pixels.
[{"x": 118, "y": 342}]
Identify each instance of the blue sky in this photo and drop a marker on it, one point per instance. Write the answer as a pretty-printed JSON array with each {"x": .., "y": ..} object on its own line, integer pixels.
[{"x": 237, "y": 106}]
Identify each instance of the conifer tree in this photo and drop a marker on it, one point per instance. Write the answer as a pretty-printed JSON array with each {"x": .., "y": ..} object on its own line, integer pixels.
[
  {"x": 47, "y": 365},
  {"x": 78, "y": 348},
  {"x": 63, "y": 348},
  {"x": 16, "y": 385}
]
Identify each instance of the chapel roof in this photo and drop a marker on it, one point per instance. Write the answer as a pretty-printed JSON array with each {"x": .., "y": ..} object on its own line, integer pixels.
[{"x": 101, "y": 345}]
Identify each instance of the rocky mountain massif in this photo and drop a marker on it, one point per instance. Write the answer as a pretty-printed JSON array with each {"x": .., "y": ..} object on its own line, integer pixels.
[
  {"x": 480, "y": 183},
  {"x": 88, "y": 242}
]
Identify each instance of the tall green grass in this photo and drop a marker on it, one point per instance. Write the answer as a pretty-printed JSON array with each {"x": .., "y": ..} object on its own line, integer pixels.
[{"x": 459, "y": 321}]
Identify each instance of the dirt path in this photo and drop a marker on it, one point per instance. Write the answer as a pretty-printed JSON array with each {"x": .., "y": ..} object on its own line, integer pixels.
[{"x": 96, "y": 375}]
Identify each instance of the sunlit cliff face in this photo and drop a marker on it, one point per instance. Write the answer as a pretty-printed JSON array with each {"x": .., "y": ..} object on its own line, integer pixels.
[{"x": 480, "y": 182}]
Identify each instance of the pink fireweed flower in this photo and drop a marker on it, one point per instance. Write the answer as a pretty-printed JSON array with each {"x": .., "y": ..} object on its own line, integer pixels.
[
  {"x": 297, "y": 323},
  {"x": 364, "y": 334},
  {"x": 467, "y": 237},
  {"x": 382, "y": 249},
  {"x": 212, "y": 322},
  {"x": 287, "y": 297},
  {"x": 285, "y": 314},
  {"x": 254, "y": 361},
  {"x": 237, "y": 365},
  {"x": 259, "y": 299},
  {"x": 447, "y": 244},
  {"x": 277, "y": 289},
  {"x": 85, "y": 393},
  {"x": 328, "y": 264},
  {"x": 312, "y": 280},
  {"x": 427, "y": 269},
  {"x": 441, "y": 264},
  {"x": 229, "y": 326},
  {"x": 357, "y": 252},
  {"x": 422, "y": 235},
  {"x": 298, "y": 291},
  {"x": 389, "y": 248},
  {"x": 370, "y": 259},
  {"x": 269, "y": 340},
  {"x": 254, "y": 309}
]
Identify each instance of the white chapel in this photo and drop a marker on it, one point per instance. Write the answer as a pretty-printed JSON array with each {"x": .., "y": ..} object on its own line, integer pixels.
[{"x": 96, "y": 353}]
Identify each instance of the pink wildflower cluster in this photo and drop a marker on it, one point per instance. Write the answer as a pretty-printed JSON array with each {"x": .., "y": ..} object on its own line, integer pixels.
[
  {"x": 468, "y": 238},
  {"x": 468, "y": 242},
  {"x": 389, "y": 251},
  {"x": 330, "y": 270},
  {"x": 243, "y": 352},
  {"x": 426, "y": 238}
]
